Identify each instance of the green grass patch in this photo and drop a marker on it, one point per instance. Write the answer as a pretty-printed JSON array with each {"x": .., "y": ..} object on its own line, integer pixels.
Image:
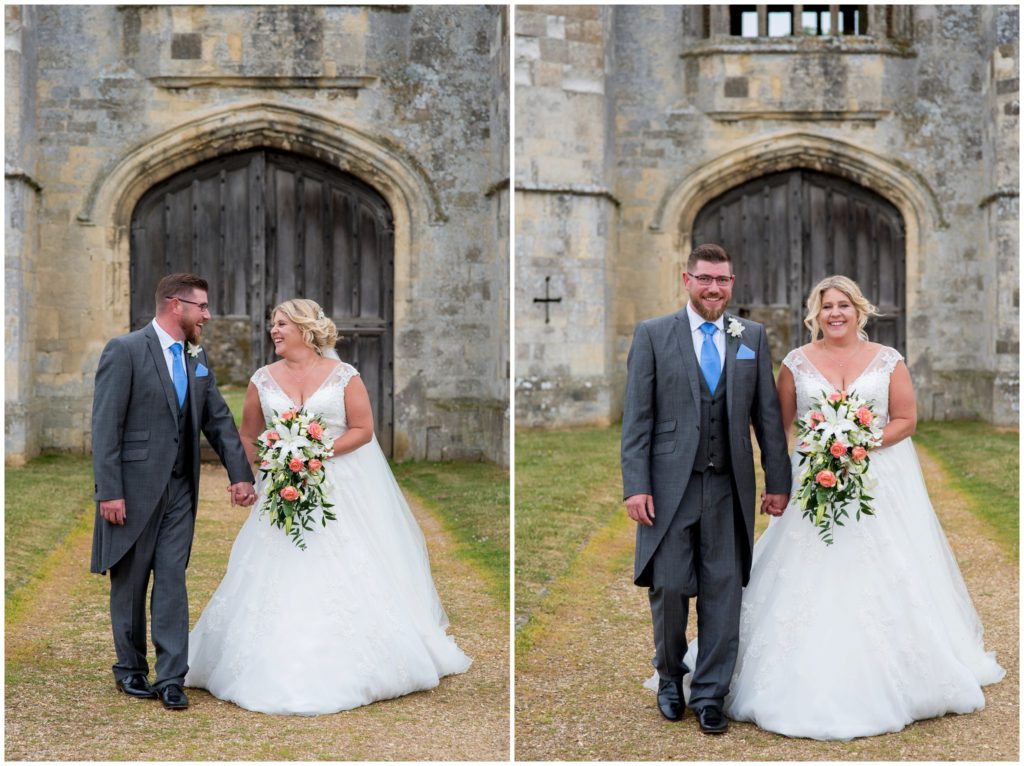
[
  {"x": 235, "y": 398},
  {"x": 983, "y": 462},
  {"x": 43, "y": 501},
  {"x": 568, "y": 485},
  {"x": 471, "y": 499}
]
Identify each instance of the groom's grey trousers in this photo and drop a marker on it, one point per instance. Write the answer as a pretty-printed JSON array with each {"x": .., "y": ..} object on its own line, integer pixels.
[
  {"x": 697, "y": 557},
  {"x": 172, "y": 524}
]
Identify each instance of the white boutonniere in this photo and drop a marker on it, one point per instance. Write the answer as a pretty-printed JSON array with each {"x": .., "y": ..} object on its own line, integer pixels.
[
  {"x": 735, "y": 328},
  {"x": 193, "y": 350}
]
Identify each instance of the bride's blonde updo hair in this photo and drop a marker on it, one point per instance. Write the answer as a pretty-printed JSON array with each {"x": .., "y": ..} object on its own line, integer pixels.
[
  {"x": 318, "y": 331},
  {"x": 850, "y": 289}
]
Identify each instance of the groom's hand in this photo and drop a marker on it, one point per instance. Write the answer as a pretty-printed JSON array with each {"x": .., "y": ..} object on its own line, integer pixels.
[
  {"x": 641, "y": 509},
  {"x": 113, "y": 511},
  {"x": 242, "y": 493},
  {"x": 775, "y": 505}
]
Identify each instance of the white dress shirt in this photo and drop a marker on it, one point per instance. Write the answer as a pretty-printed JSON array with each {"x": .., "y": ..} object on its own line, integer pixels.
[
  {"x": 166, "y": 341},
  {"x": 697, "y": 334}
]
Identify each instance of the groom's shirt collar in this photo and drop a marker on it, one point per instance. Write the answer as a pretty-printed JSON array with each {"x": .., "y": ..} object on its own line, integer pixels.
[
  {"x": 166, "y": 341},
  {"x": 697, "y": 335}
]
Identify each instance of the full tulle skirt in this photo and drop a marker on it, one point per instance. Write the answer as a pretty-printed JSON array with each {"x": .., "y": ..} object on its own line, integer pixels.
[
  {"x": 352, "y": 619},
  {"x": 866, "y": 635}
]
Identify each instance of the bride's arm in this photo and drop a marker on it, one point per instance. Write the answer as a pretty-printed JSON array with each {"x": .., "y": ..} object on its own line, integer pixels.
[
  {"x": 358, "y": 415},
  {"x": 902, "y": 407},
  {"x": 787, "y": 399},
  {"x": 252, "y": 422}
]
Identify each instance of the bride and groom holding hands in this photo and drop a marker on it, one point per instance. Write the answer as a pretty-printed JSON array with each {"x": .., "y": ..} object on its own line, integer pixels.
[
  {"x": 852, "y": 639},
  {"x": 831, "y": 642},
  {"x": 366, "y": 580}
]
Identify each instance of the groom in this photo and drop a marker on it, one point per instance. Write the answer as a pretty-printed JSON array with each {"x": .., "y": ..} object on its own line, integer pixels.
[
  {"x": 154, "y": 393},
  {"x": 696, "y": 381}
]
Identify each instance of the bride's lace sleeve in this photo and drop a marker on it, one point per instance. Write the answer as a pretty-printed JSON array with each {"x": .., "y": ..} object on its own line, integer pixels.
[
  {"x": 345, "y": 373},
  {"x": 888, "y": 358},
  {"x": 795, "y": 361}
]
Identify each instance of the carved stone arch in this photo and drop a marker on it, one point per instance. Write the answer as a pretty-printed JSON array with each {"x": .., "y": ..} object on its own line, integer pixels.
[
  {"x": 393, "y": 173},
  {"x": 403, "y": 184},
  {"x": 888, "y": 177}
]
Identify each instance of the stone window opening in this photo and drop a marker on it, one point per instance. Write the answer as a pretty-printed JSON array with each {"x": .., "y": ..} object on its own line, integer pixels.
[{"x": 797, "y": 20}]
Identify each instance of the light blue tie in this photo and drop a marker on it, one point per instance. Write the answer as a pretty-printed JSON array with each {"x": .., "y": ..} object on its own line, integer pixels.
[
  {"x": 180, "y": 376},
  {"x": 710, "y": 363}
]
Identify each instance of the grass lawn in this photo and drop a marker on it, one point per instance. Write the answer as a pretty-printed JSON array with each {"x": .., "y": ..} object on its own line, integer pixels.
[
  {"x": 42, "y": 503},
  {"x": 983, "y": 462},
  {"x": 471, "y": 499},
  {"x": 568, "y": 485}
]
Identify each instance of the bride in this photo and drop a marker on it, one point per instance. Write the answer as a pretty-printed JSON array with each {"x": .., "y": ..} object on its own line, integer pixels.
[
  {"x": 877, "y": 630},
  {"x": 355, "y": 617}
]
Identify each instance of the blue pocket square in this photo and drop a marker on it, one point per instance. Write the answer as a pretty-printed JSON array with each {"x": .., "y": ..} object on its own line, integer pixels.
[
  {"x": 745, "y": 352},
  {"x": 201, "y": 371}
]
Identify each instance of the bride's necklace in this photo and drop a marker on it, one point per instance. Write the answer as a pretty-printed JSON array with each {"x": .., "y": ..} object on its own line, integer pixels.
[
  {"x": 841, "y": 360},
  {"x": 300, "y": 379}
]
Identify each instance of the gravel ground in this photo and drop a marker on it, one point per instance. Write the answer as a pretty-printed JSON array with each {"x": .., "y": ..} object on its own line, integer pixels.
[
  {"x": 578, "y": 685},
  {"x": 61, "y": 703}
]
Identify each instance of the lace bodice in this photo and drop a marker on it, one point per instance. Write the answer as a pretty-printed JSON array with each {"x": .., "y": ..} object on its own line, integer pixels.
[
  {"x": 872, "y": 384},
  {"x": 328, "y": 400}
]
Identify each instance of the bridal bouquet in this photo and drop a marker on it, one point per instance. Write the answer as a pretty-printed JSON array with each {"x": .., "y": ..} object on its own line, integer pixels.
[
  {"x": 835, "y": 439},
  {"x": 292, "y": 452}
]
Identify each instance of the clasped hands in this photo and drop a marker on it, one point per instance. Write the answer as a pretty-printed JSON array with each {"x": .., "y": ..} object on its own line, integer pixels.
[
  {"x": 242, "y": 493},
  {"x": 773, "y": 505}
]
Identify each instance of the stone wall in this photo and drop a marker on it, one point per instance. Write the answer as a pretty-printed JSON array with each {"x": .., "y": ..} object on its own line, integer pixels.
[
  {"x": 565, "y": 215},
  {"x": 923, "y": 112},
  {"x": 117, "y": 98}
]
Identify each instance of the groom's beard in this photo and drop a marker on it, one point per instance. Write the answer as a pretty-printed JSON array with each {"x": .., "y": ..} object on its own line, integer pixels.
[
  {"x": 192, "y": 334},
  {"x": 708, "y": 313}
]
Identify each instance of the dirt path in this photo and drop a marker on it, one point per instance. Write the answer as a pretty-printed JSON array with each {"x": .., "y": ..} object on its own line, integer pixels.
[
  {"x": 61, "y": 703},
  {"x": 578, "y": 686}
]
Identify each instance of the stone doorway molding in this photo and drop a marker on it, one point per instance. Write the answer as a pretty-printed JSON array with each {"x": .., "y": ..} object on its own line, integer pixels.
[
  {"x": 889, "y": 177},
  {"x": 396, "y": 175}
]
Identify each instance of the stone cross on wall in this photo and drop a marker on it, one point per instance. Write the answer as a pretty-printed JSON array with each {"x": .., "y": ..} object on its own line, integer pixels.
[{"x": 547, "y": 300}]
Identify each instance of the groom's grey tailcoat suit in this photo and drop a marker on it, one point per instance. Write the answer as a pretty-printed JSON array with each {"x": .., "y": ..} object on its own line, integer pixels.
[
  {"x": 703, "y": 533},
  {"x": 146, "y": 450}
]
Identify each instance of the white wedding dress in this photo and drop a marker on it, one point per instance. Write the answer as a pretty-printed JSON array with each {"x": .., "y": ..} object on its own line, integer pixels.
[
  {"x": 352, "y": 619},
  {"x": 871, "y": 633}
]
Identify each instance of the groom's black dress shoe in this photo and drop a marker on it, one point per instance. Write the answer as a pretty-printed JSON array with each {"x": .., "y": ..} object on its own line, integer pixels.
[
  {"x": 711, "y": 720},
  {"x": 173, "y": 697},
  {"x": 670, "y": 699},
  {"x": 136, "y": 686}
]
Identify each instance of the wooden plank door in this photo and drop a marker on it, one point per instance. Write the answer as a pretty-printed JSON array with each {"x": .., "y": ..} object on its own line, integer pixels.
[{"x": 262, "y": 227}]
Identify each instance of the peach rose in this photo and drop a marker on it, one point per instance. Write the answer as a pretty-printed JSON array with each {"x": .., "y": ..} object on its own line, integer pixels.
[
  {"x": 859, "y": 453},
  {"x": 315, "y": 430},
  {"x": 835, "y": 396},
  {"x": 287, "y": 415},
  {"x": 314, "y": 465},
  {"x": 825, "y": 478},
  {"x": 289, "y": 493},
  {"x": 838, "y": 449},
  {"x": 264, "y": 464},
  {"x": 296, "y": 464},
  {"x": 273, "y": 436},
  {"x": 816, "y": 417},
  {"x": 864, "y": 416}
]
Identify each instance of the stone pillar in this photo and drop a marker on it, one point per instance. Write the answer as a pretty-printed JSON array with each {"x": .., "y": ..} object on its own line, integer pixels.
[
  {"x": 21, "y": 240},
  {"x": 566, "y": 215},
  {"x": 1001, "y": 209}
]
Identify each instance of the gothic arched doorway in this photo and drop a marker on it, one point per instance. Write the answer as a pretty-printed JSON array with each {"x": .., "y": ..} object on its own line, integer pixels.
[
  {"x": 263, "y": 226},
  {"x": 785, "y": 231}
]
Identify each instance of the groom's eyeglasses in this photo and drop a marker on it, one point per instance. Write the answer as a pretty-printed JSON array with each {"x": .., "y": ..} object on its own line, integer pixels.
[
  {"x": 200, "y": 306},
  {"x": 704, "y": 280}
]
